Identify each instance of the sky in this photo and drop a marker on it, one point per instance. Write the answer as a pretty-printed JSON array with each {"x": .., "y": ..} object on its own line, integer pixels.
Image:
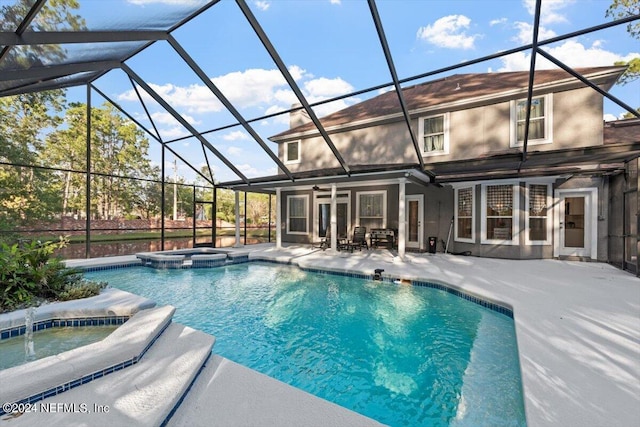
[{"x": 331, "y": 48}]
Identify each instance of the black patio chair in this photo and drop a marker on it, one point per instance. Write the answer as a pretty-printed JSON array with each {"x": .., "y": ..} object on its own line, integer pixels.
[{"x": 359, "y": 240}]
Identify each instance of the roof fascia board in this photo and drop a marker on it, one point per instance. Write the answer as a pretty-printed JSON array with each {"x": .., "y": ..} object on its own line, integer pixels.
[
  {"x": 561, "y": 85},
  {"x": 301, "y": 183}
]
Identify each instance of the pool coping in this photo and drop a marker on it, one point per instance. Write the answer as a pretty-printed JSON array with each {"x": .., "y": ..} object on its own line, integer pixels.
[{"x": 50, "y": 376}]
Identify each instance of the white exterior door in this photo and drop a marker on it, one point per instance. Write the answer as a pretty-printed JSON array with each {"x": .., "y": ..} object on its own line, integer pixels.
[
  {"x": 576, "y": 230},
  {"x": 415, "y": 213}
]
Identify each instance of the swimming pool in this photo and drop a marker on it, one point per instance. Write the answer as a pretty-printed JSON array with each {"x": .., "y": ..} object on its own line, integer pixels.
[{"x": 401, "y": 354}]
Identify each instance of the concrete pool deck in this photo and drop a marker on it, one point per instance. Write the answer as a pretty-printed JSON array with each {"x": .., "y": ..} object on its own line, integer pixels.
[{"x": 577, "y": 324}]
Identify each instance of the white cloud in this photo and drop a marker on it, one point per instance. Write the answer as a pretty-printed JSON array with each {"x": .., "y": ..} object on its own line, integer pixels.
[
  {"x": 549, "y": 10},
  {"x": 449, "y": 32},
  {"x": 323, "y": 88},
  {"x": 251, "y": 171},
  {"x": 262, "y": 5},
  {"x": 297, "y": 73},
  {"x": 234, "y": 151},
  {"x": 336, "y": 1},
  {"x": 167, "y": 119},
  {"x": 259, "y": 88},
  {"x": 194, "y": 98},
  {"x": 497, "y": 21},
  {"x": 173, "y": 132},
  {"x": 251, "y": 87},
  {"x": 571, "y": 53},
  {"x": 236, "y": 135},
  {"x": 525, "y": 32},
  {"x": 386, "y": 89}
]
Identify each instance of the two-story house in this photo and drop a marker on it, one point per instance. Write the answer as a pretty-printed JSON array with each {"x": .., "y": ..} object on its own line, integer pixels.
[{"x": 473, "y": 189}]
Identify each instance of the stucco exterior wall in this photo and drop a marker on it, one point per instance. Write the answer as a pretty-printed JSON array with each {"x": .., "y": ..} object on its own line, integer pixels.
[{"x": 473, "y": 133}]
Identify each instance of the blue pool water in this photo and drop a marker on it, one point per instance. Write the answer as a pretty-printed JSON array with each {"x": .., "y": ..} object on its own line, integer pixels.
[{"x": 401, "y": 354}]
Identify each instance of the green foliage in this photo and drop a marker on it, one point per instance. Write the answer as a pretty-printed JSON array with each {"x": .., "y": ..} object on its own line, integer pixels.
[
  {"x": 81, "y": 289},
  {"x": 27, "y": 193},
  {"x": 621, "y": 9},
  {"x": 29, "y": 272}
]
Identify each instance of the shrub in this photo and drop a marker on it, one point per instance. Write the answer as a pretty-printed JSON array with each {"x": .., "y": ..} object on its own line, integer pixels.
[
  {"x": 29, "y": 271},
  {"x": 81, "y": 289}
]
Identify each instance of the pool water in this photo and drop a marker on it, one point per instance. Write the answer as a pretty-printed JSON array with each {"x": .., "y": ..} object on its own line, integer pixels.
[
  {"x": 48, "y": 342},
  {"x": 401, "y": 354}
]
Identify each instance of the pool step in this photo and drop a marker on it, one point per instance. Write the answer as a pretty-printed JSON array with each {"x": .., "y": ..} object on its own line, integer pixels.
[
  {"x": 143, "y": 394},
  {"x": 228, "y": 394},
  {"x": 63, "y": 372}
]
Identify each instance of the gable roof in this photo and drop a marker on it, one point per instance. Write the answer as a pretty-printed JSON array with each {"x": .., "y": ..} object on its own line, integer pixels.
[{"x": 458, "y": 88}]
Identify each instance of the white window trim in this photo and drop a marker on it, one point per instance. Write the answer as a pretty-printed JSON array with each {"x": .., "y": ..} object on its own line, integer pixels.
[
  {"x": 384, "y": 207},
  {"x": 515, "y": 217},
  {"x": 473, "y": 215},
  {"x": 286, "y": 153},
  {"x": 548, "y": 122},
  {"x": 306, "y": 206},
  {"x": 445, "y": 150},
  {"x": 547, "y": 241}
]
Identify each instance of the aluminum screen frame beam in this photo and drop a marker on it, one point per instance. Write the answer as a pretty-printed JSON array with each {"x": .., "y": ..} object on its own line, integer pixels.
[
  {"x": 156, "y": 138},
  {"x": 182, "y": 121},
  {"x": 394, "y": 76},
  {"x": 532, "y": 70},
  {"x": 74, "y": 37},
  {"x": 588, "y": 83},
  {"x": 292, "y": 84},
  {"x": 228, "y": 105},
  {"x": 35, "y": 9},
  {"x": 58, "y": 71}
]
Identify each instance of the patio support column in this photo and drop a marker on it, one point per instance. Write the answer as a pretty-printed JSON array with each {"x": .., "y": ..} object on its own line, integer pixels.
[
  {"x": 334, "y": 218},
  {"x": 237, "y": 212},
  {"x": 278, "y": 219},
  {"x": 402, "y": 217}
]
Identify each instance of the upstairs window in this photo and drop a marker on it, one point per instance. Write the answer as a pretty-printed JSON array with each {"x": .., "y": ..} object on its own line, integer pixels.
[
  {"x": 292, "y": 152},
  {"x": 539, "y": 121},
  {"x": 434, "y": 135}
]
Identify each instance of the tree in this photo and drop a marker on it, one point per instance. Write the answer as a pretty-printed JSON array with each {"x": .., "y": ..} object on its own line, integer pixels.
[
  {"x": 621, "y": 9},
  {"x": 27, "y": 193},
  {"x": 118, "y": 148},
  {"x": 55, "y": 15}
]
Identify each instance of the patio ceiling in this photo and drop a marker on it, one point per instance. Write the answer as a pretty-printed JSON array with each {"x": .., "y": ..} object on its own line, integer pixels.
[{"x": 72, "y": 54}]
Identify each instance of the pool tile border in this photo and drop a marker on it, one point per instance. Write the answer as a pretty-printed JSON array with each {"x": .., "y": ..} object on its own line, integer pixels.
[
  {"x": 491, "y": 305},
  {"x": 499, "y": 308},
  {"x": 54, "y": 391},
  {"x": 75, "y": 322}
]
